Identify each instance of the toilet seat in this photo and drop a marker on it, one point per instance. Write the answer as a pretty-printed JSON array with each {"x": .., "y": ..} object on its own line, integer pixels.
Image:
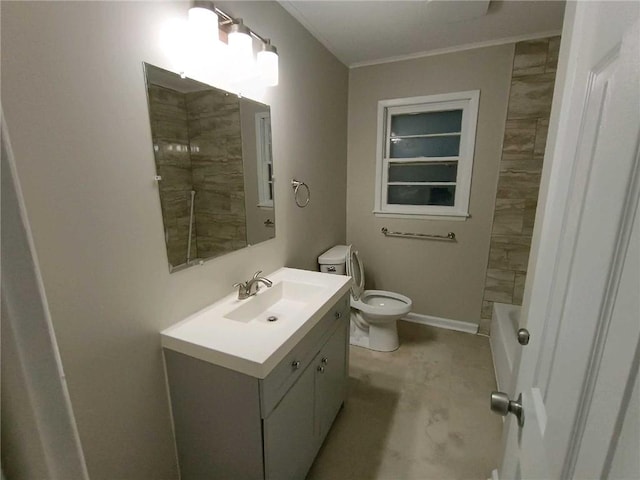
[
  {"x": 374, "y": 313},
  {"x": 355, "y": 270},
  {"x": 378, "y": 305},
  {"x": 381, "y": 302}
]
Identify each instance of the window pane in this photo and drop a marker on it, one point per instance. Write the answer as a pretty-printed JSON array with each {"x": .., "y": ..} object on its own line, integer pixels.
[
  {"x": 448, "y": 146},
  {"x": 423, "y": 172},
  {"x": 426, "y": 123},
  {"x": 421, "y": 195}
]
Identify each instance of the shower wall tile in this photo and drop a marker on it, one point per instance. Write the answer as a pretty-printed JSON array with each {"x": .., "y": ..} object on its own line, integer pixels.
[
  {"x": 542, "y": 131},
  {"x": 168, "y": 116},
  {"x": 508, "y": 217},
  {"x": 484, "y": 328},
  {"x": 197, "y": 145},
  {"x": 519, "y": 139},
  {"x": 529, "y": 217},
  {"x": 169, "y": 152},
  {"x": 532, "y": 165},
  {"x": 525, "y": 139},
  {"x": 487, "y": 309},
  {"x": 509, "y": 252},
  {"x": 174, "y": 178},
  {"x": 530, "y": 57},
  {"x": 518, "y": 185},
  {"x": 531, "y": 96},
  {"x": 217, "y": 171},
  {"x": 499, "y": 286},
  {"x": 552, "y": 54}
]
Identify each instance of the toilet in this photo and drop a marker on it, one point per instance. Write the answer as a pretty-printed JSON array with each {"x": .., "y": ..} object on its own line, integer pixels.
[{"x": 374, "y": 313}]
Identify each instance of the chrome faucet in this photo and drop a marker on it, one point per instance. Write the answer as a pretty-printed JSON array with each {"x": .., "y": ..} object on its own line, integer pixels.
[{"x": 250, "y": 287}]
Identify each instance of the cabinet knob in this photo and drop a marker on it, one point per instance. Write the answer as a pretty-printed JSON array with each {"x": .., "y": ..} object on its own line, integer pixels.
[
  {"x": 324, "y": 361},
  {"x": 338, "y": 314},
  {"x": 320, "y": 368},
  {"x": 295, "y": 364}
]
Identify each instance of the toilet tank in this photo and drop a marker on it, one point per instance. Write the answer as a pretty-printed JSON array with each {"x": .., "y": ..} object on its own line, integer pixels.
[{"x": 334, "y": 260}]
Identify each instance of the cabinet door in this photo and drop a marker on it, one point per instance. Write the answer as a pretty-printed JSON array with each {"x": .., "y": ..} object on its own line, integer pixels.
[
  {"x": 289, "y": 432},
  {"x": 331, "y": 381}
]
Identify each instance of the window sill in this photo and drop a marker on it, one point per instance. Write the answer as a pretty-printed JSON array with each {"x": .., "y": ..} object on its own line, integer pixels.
[{"x": 452, "y": 217}]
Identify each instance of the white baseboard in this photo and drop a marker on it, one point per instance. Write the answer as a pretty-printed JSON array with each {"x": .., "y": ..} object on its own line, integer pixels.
[
  {"x": 494, "y": 474},
  {"x": 457, "y": 325}
]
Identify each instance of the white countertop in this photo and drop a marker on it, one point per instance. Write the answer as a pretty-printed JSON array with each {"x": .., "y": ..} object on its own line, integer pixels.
[{"x": 256, "y": 347}]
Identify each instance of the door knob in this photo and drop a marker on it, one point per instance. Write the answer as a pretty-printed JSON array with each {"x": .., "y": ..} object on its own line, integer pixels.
[
  {"x": 501, "y": 405},
  {"x": 523, "y": 336}
]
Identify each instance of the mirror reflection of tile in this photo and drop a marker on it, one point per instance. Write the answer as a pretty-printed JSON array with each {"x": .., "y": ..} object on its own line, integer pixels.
[{"x": 211, "y": 155}]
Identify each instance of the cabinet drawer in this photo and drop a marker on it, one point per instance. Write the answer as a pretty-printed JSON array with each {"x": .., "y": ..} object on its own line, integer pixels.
[{"x": 283, "y": 376}]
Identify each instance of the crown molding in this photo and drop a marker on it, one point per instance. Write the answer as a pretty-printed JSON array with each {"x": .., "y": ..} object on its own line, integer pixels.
[{"x": 457, "y": 48}]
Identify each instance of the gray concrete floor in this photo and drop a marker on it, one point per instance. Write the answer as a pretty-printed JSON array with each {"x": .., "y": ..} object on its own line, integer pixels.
[{"x": 421, "y": 412}]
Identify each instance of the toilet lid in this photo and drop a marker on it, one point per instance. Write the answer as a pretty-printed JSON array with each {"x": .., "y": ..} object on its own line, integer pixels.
[{"x": 356, "y": 271}]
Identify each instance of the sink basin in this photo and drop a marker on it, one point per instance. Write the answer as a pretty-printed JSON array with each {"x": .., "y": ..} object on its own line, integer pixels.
[
  {"x": 283, "y": 300},
  {"x": 237, "y": 334}
]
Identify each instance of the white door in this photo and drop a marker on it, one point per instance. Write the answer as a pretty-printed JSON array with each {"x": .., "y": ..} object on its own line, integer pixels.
[{"x": 581, "y": 302}]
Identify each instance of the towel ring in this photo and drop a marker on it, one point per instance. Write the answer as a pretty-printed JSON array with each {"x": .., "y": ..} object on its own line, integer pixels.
[{"x": 295, "y": 184}]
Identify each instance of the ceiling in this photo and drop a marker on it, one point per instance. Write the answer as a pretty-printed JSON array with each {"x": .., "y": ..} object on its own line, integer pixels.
[{"x": 368, "y": 32}]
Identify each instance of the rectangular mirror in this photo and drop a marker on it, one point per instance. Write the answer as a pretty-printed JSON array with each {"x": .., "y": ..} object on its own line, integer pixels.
[{"x": 214, "y": 164}]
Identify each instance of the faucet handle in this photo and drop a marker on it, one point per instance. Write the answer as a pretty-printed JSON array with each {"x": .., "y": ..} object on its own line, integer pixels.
[
  {"x": 240, "y": 284},
  {"x": 257, "y": 274}
]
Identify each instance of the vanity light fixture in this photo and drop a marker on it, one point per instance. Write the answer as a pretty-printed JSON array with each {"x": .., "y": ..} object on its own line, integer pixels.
[{"x": 205, "y": 22}]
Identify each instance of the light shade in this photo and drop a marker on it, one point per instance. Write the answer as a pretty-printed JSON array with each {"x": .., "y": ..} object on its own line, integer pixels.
[
  {"x": 203, "y": 25},
  {"x": 240, "y": 42},
  {"x": 204, "y": 39},
  {"x": 268, "y": 64}
]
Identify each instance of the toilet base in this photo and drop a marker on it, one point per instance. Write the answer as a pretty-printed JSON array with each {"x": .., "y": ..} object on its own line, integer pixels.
[{"x": 380, "y": 337}]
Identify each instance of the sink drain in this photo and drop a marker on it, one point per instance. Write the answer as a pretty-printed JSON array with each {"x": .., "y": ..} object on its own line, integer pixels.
[{"x": 272, "y": 318}]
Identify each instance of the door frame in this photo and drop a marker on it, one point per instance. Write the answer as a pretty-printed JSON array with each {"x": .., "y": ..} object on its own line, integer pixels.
[{"x": 40, "y": 381}]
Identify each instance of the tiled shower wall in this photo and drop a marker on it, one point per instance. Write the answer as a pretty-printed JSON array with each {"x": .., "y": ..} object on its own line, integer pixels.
[
  {"x": 525, "y": 137},
  {"x": 198, "y": 146},
  {"x": 168, "y": 112},
  {"x": 218, "y": 173}
]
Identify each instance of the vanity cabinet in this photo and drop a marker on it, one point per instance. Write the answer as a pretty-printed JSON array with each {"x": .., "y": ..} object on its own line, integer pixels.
[{"x": 232, "y": 425}]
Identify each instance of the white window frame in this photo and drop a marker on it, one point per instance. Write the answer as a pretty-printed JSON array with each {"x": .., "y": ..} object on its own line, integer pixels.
[
  {"x": 264, "y": 158},
  {"x": 467, "y": 101}
]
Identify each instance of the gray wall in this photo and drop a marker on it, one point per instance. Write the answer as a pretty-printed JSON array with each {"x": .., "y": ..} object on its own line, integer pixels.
[
  {"x": 443, "y": 279},
  {"x": 73, "y": 93}
]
